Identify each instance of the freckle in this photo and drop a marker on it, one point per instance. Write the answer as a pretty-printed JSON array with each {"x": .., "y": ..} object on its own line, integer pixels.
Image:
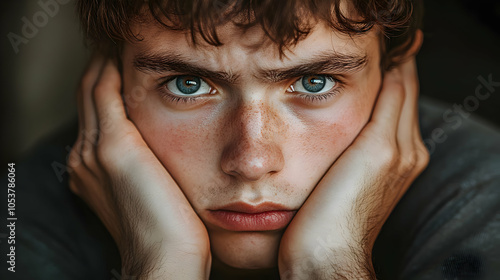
[{"x": 321, "y": 137}]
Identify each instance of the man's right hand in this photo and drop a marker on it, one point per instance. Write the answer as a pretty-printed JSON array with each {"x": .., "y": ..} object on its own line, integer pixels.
[{"x": 113, "y": 170}]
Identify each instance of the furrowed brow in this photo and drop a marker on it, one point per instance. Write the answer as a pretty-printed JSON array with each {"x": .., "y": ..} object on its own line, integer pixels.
[
  {"x": 327, "y": 63},
  {"x": 161, "y": 63}
]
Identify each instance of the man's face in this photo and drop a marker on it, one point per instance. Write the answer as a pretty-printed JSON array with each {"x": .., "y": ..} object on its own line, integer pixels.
[{"x": 242, "y": 130}]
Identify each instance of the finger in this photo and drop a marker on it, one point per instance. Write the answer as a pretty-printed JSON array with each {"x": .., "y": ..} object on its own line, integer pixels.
[
  {"x": 388, "y": 107},
  {"x": 87, "y": 112},
  {"x": 408, "y": 122},
  {"x": 107, "y": 97},
  {"x": 415, "y": 156},
  {"x": 87, "y": 78},
  {"x": 84, "y": 147}
]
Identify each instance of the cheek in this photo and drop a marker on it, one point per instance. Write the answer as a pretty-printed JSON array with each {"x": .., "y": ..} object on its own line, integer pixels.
[
  {"x": 327, "y": 134},
  {"x": 340, "y": 127},
  {"x": 183, "y": 143},
  {"x": 333, "y": 137},
  {"x": 185, "y": 147}
]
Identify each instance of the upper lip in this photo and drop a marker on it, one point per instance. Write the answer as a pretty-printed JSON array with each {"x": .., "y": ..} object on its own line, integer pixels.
[{"x": 252, "y": 209}]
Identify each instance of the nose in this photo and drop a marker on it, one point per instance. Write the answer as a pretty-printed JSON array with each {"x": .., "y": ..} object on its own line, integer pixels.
[{"x": 254, "y": 147}]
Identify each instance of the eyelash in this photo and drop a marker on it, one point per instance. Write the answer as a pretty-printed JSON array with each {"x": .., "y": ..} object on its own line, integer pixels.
[
  {"x": 312, "y": 98},
  {"x": 177, "y": 99},
  {"x": 318, "y": 98},
  {"x": 321, "y": 97},
  {"x": 165, "y": 94}
]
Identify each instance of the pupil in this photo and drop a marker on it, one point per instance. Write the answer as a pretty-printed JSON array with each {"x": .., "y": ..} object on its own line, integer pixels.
[
  {"x": 188, "y": 84},
  {"x": 313, "y": 83}
]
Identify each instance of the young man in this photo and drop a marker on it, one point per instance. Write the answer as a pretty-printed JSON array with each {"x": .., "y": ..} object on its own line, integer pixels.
[{"x": 262, "y": 140}]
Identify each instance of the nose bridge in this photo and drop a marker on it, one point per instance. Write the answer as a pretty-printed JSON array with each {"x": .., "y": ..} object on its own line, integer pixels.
[
  {"x": 255, "y": 122},
  {"x": 255, "y": 146}
]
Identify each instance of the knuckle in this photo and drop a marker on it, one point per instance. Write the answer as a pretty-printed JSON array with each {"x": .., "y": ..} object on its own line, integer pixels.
[
  {"x": 87, "y": 154},
  {"x": 90, "y": 135},
  {"x": 107, "y": 154},
  {"x": 424, "y": 156},
  {"x": 103, "y": 153},
  {"x": 115, "y": 150},
  {"x": 414, "y": 162},
  {"x": 87, "y": 146},
  {"x": 384, "y": 145},
  {"x": 387, "y": 154},
  {"x": 407, "y": 166},
  {"x": 74, "y": 159}
]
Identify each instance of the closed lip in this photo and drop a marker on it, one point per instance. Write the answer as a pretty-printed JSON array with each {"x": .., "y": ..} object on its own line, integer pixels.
[{"x": 246, "y": 217}]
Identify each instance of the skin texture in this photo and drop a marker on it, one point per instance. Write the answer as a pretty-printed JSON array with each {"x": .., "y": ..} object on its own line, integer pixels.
[
  {"x": 252, "y": 141},
  {"x": 153, "y": 170}
]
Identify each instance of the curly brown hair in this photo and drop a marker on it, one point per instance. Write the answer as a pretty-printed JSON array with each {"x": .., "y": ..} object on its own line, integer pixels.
[{"x": 107, "y": 23}]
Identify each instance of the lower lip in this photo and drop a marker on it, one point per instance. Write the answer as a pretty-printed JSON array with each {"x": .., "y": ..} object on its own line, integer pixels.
[{"x": 264, "y": 221}]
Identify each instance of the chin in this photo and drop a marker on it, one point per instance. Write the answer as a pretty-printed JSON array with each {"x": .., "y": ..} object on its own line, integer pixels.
[{"x": 246, "y": 250}]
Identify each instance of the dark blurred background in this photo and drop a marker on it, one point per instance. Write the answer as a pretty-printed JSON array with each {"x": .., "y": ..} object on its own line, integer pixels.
[{"x": 38, "y": 83}]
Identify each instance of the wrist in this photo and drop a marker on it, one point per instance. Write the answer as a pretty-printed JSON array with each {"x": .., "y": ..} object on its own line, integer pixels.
[
  {"x": 179, "y": 265},
  {"x": 349, "y": 263}
]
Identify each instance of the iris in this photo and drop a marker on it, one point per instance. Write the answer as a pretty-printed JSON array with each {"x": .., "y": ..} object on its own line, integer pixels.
[
  {"x": 313, "y": 83},
  {"x": 188, "y": 84}
]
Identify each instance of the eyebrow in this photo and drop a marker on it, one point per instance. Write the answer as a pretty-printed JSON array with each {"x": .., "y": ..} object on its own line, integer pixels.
[
  {"x": 330, "y": 62},
  {"x": 161, "y": 63}
]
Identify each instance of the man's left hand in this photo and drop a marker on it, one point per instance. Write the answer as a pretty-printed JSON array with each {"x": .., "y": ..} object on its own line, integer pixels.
[{"x": 332, "y": 235}]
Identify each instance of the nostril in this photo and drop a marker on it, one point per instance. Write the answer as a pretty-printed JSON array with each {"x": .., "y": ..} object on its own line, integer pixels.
[{"x": 253, "y": 149}]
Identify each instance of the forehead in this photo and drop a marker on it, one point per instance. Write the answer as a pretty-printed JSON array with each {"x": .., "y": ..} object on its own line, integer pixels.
[{"x": 251, "y": 47}]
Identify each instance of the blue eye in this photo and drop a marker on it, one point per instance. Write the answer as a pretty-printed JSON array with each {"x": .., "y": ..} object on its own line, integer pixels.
[
  {"x": 188, "y": 85},
  {"x": 314, "y": 84}
]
